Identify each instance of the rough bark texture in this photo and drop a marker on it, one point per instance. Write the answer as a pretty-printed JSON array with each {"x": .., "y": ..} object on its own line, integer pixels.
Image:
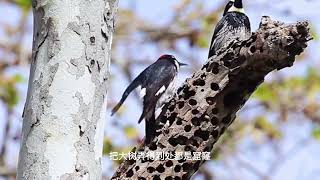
[
  {"x": 206, "y": 104},
  {"x": 66, "y": 105}
]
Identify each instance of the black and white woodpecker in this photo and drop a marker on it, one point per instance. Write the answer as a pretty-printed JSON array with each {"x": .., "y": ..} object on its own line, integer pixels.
[
  {"x": 235, "y": 24},
  {"x": 153, "y": 82}
]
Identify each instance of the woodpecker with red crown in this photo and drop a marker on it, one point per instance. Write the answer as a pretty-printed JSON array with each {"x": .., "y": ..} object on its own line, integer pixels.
[
  {"x": 153, "y": 82},
  {"x": 235, "y": 24}
]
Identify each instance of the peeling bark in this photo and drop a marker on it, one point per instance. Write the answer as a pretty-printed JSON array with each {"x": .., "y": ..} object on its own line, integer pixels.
[
  {"x": 206, "y": 104},
  {"x": 63, "y": 119}
]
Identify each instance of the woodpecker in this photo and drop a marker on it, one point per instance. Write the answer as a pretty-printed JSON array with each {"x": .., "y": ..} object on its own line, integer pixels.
[
  {"x": 153, "y": 82},
  {"x": 235, "y": 24}
]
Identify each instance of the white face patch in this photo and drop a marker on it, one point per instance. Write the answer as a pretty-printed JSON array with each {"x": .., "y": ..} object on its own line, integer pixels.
[
  {"x": 231, "y": 0},
  {"x": 161, "y": 90},
  {"x": 142, "y": 92},
  {"x": 176, "y": 64},
  {"x": 235, "y": 9},
  {"x": 158, "y": 111}
]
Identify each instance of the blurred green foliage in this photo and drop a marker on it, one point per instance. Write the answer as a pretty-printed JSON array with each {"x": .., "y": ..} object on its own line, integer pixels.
[
  {"x": 316, "y": 133},
  {"x": 24, "y": 4},
  {"x": 8, "y": 91}
]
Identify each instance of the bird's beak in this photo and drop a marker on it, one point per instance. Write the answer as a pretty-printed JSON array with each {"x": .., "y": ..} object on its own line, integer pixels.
[{"x": 182, "y": 64}]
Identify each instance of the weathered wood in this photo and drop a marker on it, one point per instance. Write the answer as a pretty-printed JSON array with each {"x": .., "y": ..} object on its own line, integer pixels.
[{"x": 206, "y": 104}]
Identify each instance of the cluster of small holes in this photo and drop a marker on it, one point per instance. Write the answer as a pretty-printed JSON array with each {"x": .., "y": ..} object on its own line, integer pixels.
[{"x": 196, "y": 121}]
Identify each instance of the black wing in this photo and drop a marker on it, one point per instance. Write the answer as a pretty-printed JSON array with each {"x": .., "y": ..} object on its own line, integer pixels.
[
  {"x": 232, "y": 25},
  {"x": 217, "y": 29},
  {"x": 158, "y": 81},
  {"x": 135, "y": 83}
]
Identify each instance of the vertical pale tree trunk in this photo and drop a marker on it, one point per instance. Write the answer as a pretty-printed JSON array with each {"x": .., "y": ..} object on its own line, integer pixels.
[{"x": 65, "y": 110}]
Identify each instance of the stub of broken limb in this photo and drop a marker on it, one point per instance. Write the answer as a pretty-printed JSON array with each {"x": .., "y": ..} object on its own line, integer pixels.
[{"x": 206, "y": 104}]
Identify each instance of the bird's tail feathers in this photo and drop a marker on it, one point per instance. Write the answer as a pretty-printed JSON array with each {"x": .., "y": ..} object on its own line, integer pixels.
[
  {"x": 116, "y": 108},
  {"x": 150, "y": 127},
  {"x": 142, "y": 116},
  {"x": 126, "y": 93}
]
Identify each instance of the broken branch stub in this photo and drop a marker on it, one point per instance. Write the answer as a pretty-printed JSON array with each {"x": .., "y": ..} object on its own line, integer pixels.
[{"x": 206, "y": 104}]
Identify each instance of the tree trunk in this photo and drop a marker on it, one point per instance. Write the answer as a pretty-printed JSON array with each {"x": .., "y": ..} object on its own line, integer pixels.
[
  {"x": 204, "y": 107},
  {"x": 63, "y": 121}
]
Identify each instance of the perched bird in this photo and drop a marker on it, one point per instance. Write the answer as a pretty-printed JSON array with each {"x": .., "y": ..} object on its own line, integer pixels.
[
  {"x": 228, "y": 6},
  {"x": 153, "y": 81},
  {"x": 234, "y": 24}
]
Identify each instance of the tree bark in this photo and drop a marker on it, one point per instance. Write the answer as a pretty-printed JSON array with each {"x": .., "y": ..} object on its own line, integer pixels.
[
  {"x": 63, "y": 121},
  {"x": 206, "y": 104}
]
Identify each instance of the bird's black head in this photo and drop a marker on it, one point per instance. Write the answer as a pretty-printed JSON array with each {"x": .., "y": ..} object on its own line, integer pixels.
[
  {"x": 237, "y": 7},
  {"x": 228, "y": 6},
  {"x": 172, "y": 59},
  {"x": 238, "y": 4}
]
